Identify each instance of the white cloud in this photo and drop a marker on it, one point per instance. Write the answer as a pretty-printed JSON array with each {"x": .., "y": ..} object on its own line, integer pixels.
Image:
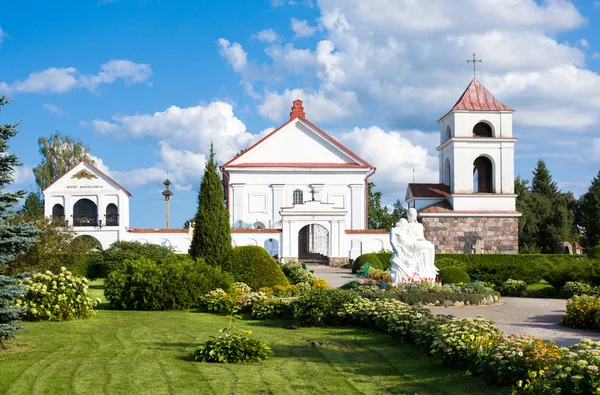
[
  {"x": 53, "y": 108},
  {"x": 302, "y": 28},
  {"x": 596, "y": 148},
  {"x": 266, "y": 36},
  {"x": 2, "y": 35},
  {"x": 401, "y": 156},
  {"x": 23, "y": 175},
  {"x": 234, "y": 53},
  {"x": 583, "y": 43},
  {"x": 60, "y": 80},
  {"x": 183, "y": 136}
]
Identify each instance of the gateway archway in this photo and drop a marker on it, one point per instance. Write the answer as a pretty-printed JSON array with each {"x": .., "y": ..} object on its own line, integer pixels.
[{"x": 313, "y": 244}]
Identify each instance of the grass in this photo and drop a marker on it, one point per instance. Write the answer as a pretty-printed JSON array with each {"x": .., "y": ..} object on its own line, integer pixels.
[
  {"x": 128, "y": 352},
  {"x": 539, "y": 285}
]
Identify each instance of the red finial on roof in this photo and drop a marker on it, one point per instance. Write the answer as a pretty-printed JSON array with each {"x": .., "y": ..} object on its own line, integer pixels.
[{"x": 297, "y": 109}]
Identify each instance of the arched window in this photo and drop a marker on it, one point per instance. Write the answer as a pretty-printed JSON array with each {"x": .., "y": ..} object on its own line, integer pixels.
[
  {"x": 258, "y": 225},
  {"x": 298, "y": 196},
  {"x": 58, "y": 211},
  {"x": 482, "y": 129},
  {"x": 447, "y": 172},
  {"x": 112, "y": 215},
  {"x": 482, "y": 175},
  {"x": 448, "y": 133},
  {"x": 85, "y": 213}
]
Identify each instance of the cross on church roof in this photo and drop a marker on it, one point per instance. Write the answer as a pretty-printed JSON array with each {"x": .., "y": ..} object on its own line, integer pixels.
[{"x": 474, "y": 61}]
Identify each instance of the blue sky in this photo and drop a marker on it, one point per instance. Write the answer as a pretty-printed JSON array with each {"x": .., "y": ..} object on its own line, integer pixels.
[{"x": 148, "y": 84}]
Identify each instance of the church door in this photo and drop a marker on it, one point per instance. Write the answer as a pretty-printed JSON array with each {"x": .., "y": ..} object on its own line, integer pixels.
[{"x": 313, "y": 244}]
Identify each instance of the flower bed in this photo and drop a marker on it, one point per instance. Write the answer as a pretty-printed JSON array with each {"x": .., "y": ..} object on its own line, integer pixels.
[
  {"x": 530, "y": 364},
  {"x": 583, "y": 312}
]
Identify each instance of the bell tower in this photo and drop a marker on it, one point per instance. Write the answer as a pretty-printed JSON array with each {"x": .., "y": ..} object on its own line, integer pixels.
[{"x": 476, "y": 152}]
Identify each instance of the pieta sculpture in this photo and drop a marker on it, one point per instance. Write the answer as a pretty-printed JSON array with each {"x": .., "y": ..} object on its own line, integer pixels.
[{"x": 413, "y": 257}]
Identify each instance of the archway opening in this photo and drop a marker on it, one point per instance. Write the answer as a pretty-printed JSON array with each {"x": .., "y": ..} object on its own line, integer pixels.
[
  {"x": 272, "y": 247},
  {"x": 58, "y": 212},
  {"x": 87, "y": 243},
  {"x": 482, "y": 129},
  {"x": 258, "y": 225},
  {"x": 313, "y": 244},
  {"x": 85, "y": 213},
  {"x": 447, "y": 172},
  {"x": 482, "y": 175},
  {"x": 112, "y": 215}
]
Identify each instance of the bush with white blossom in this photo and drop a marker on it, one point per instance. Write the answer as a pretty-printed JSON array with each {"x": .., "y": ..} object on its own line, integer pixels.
[{"x": 56, "y": 297}]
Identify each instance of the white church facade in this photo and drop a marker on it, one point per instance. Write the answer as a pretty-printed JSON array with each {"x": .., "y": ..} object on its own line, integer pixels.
[{"x": 303, "y": 196}]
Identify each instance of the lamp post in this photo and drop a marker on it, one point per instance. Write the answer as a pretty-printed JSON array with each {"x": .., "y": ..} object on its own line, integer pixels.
[{"x": 167, "y": 194}]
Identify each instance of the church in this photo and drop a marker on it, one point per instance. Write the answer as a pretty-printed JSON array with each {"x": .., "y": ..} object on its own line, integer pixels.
[{"x": 303, "y": 196}]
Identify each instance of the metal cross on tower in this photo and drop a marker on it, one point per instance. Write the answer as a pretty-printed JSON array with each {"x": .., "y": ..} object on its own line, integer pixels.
[{"x": 474, "y": 61}]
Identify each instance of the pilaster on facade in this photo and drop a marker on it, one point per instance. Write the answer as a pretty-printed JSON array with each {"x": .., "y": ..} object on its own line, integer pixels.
[
  {"x": 278, "y": 200},
  {"x": 357, "y": 209},
  {"x": 237, "y": 215}
]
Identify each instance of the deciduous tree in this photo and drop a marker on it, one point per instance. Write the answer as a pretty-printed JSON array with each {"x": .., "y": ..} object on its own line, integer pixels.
[{"x": 59, "y": 154}]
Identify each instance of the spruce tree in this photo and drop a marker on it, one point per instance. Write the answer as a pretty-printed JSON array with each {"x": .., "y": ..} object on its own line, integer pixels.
[
  {"x": 590, "y": 213},
  {"x": 212, "y": 233},
  {"x": 542, "y": 183},
  {"x": 15, "y": 238},
  {"x": 33, "y": 208}
]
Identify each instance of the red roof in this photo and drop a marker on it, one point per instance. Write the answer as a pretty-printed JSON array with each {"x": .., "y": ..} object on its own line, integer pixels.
[
  {"x": 298, "y": 112},
  {"x": 305, "y": 164},
  {"x": 169, "y": 230},
  {"x": 439, "y": 191},
  {"x": 366, "y": 231},
  {"x": 477, "y": 98},
  {"x": 95, "y": 168},
  {"x": 252, "y": 230}
]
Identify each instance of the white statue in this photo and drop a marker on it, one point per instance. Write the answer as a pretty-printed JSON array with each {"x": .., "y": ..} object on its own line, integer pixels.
[{"x": 413, "y": 255}]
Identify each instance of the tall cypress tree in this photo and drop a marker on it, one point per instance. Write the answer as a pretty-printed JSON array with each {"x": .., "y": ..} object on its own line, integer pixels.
[
  {"x": 212, "y": 233},
  {"x": 15, "y": 238},
  {"x": 590, "y": 213}
]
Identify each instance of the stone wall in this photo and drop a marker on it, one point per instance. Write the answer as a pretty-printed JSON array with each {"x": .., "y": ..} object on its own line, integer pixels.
[{"x": 468, "y": 235}]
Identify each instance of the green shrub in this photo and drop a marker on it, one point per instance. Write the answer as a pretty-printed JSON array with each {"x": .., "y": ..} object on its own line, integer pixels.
[
  {"x": 233, "y": 347},
  {"x": 354, "y": 284},
  {"x": 296, "y": 274},
  {"x": 594, "y": 252},
  {"x": 576, "y": 288},
  {"x": 56, "y": 297},
  {"x": 384, "y": 257},
  {"x": 583, "y": 312},
  {"x": 144, "y": 284},
  {"x": 273, "y": 308},
  {"x": 319, "y": 307},
  {"x": 363, "y": 259},
  {"x": 254, "y": 266},
  {"x": 453, "y": 275},
  {"x": 113, "y": 257},
  {"x": 513, "y": 288}
]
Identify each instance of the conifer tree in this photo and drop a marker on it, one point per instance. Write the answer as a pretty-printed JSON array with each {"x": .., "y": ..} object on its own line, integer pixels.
[
  {"x": 590, "y": 213},
  {"x": 542, "y": 183},
  {"x": 212, "y": 233},
  {"x": 15, "y": 238},
  {"x": 33, "y": 208}
]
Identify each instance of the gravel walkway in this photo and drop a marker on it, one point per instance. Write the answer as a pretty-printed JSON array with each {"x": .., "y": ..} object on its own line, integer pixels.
[{"x": 538, "y": 317}]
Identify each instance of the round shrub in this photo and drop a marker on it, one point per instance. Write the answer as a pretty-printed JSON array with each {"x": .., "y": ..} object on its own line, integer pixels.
[
  {"x": 572, "y": 288},
  {"x": 363, "y": 259},
  {"x": 56, "y": 297},
  {"x": 296, "y": 274},
  {"x": 233, "y": 347},
  {"x": 513, "y": 288},
  {"x": 384, "y": 257},
  {"x": 254, "y": 266},
  {"x": 453, "y": 275},
  {"x": 144, "y": 284},
  {"x": 101, "y": 264}
]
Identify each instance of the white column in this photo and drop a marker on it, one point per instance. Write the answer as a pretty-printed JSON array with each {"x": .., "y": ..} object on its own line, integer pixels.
[
  {"x": 238, "y": 205},
  {"x": 357, "y": 206},
  {"x": 277, "y": 202}
]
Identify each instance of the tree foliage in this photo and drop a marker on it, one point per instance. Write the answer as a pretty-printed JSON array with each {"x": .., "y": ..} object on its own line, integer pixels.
[
  {"x": 379, "y": 216},
  {"x": 33, "y": 208},
  {"x": 59, "y": 154},
  {"x": 15, "y": 238},
  {"x": 212, "y": 232},
  {"x": 547, "y": 213},
  {"x": 590, "y": 213}
]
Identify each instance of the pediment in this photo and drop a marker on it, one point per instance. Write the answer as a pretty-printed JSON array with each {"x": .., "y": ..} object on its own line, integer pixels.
[
  {"x": 297, "y": 142},
  {"x": 84, "y": 178}
]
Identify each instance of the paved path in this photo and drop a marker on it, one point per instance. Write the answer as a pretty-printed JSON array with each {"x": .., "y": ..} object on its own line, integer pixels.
[{"x": 538, "y": 317}]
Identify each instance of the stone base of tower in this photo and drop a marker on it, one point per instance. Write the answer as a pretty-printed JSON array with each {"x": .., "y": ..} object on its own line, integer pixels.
[{"x": 468, "y": 235}]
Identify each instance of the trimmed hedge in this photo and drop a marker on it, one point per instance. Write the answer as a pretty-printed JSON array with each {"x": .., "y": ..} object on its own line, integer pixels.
[
  {"x": 144, "y": 284},
  {"x": 453, "y": 275},
  {"x": 378, "y": 260},
  {"x": 254, "y": 266}
]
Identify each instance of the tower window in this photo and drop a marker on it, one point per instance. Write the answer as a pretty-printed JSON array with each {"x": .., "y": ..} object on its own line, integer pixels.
[
  {"x": 482, "y": 129},
  {"x": 298, "y": 197},
  {"x": 482, "y": 175},
  {"x": 58, "y": 211},
  {"x": 447, "y": 172},
  {"x": 448, "y": 133},
  {"x": 112, "y": 215}
]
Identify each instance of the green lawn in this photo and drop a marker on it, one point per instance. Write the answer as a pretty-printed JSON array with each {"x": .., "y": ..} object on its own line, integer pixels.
[
  {"x": 127, "y": 352},
  {"x": 539, "y": 285}
]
